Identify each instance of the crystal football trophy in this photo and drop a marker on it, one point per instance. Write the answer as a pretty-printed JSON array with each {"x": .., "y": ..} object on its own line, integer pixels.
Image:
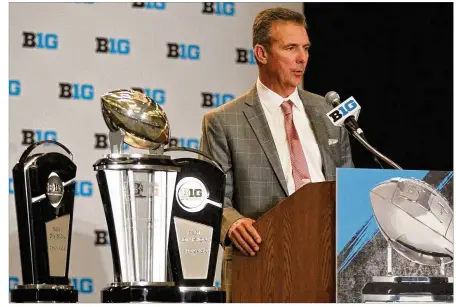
[
  {"x": 44, "y": 196},
  {"x": 417, "y": 221},
  {"x": 163, "y": 215}
]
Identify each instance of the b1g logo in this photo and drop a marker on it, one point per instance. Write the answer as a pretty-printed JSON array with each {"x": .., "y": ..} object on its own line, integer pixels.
[
  {"x": 213, "y": 100},
  {"x": 32, "y": 136},
  {"x": 83, "y": 188},
  {"x": 219, "y": 8},
  {"x": 245, "y": 56},
  {"x": 14, "y": 87},
  {"x": 83, "y": 284},
  {"x": 76, "y": 91},
  {"x": 40, "y": 40},
  {"x": 157, "y": 95},
  {"x": 183, "y": 51},
  {"x": 11, "y": 186},
  {"x": 101, "y": 237},
  {"x": 183, "y": 142},
  {"x": 159, "y": 6},
  {"x": 346, "y": 109},
  {"x": 191, "y": 194},
  {"x": 112, "y": 45},
  {"x": 102, "y": 141}
]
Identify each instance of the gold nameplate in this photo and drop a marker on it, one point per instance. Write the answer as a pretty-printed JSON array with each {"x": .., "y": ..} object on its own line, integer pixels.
[{"x": 57, "y": 232}]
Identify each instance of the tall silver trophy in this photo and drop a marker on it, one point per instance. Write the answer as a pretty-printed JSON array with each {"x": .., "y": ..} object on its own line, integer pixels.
[
  {"x": 417, "y": 222},
  {"x": 143, "y": 195}
]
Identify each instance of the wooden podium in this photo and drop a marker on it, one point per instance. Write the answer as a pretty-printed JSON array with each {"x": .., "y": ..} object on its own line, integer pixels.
[{"x": 297, "y": 258}]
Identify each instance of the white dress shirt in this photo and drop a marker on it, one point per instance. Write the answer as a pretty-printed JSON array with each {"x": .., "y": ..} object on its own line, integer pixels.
[{"x": 271, "y": 102}]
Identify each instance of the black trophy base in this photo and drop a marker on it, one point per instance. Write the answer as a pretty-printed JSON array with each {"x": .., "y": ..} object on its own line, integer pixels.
[
  {"x": 408, "y": 289},
  {"x": 202, "y": 295},
  {"x": 38, "y": 294},
  {"x": 139, "y": 293}
]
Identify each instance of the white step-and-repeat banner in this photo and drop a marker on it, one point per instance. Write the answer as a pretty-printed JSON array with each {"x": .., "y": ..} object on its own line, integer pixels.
[{"x": 189, "y": 57}]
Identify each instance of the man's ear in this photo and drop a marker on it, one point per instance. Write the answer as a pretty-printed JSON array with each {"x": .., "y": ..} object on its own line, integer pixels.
[{"x": 261, "y": 54}]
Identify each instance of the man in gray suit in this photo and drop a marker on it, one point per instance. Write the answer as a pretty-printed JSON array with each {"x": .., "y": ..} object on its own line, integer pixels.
[{"x": 276, "y": 137}]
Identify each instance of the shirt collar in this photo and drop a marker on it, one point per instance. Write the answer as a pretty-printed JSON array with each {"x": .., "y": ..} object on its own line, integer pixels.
[{"x": 272, "y": 101}]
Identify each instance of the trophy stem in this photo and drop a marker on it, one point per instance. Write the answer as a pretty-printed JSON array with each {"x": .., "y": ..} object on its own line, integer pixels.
[
  {"x": 389, "y": 260},
  {"x": 134, "y": 227},
  {"x": 150, "y": 228},
  {"x": 442, "y": 267}
]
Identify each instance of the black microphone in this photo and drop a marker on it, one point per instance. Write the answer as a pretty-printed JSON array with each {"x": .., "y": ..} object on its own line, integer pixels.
[{"x": 333, "y": 99}]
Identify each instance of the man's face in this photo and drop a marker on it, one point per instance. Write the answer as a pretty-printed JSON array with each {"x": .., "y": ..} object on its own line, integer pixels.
[{"x": 288, "y": 54}]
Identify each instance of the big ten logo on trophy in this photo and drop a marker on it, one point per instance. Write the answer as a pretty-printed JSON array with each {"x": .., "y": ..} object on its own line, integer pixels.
[
  {"x": 77, "y": 91},
  {"x": 347, "y": 108},
  {"x": 183, "y": 51},
  {"x": 32, "y": 136},
  {"x": 83, "y": 188},
  {"x": 213, "y": 100},
  {"x": 84, "y": 285},
  {"x": 245, "y": 56},
  {"x": 159, "y": 6},
  {"x": 14, "y": 87},
  {"x": 184, "y": 142},
  {"x": 219, "y": 8},
  {"x": 102, "y": 141},
  {"x": 110, "y": 45},
  {"x": 39, "y": 40},
  {"x": 157, "y": 95}
]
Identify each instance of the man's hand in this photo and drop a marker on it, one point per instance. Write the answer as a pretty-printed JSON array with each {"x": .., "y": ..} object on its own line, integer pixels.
[{"x": 244, "y": 236}]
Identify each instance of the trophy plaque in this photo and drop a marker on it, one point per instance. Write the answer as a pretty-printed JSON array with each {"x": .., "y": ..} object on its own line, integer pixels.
[
  {"x": 137, "y": 191},
  {"x": 44, "y": 197},
  {"x": 417, "y": 221}
]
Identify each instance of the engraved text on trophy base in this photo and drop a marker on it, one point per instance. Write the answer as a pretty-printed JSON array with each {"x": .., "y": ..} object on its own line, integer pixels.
[{"x": 57, "y": 242}]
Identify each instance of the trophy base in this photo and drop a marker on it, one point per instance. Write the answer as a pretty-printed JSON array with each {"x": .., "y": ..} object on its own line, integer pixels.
[
  {"x": 44, "y": 294},
  {"x": 202, "y": 295},
  {"x": 128, "y": 293},
  {"x": 408, "y": 289}
]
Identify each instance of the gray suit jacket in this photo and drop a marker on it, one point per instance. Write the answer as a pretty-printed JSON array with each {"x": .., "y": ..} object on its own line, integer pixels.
[{"x": 237, "y": 135}]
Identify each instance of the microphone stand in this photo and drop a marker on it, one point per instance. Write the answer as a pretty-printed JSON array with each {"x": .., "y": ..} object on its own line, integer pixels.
[{"x": 374, "y": 151}]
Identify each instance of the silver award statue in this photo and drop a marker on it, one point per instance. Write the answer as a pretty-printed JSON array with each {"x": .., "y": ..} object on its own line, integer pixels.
[
  {"x": 140, "y": 193},
  {"x": 417, "y": 222}
]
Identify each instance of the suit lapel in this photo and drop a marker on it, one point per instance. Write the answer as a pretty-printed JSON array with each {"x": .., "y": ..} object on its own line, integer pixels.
[
  {"x": 257, "y": 120},
  {"x": 320, "y": 131}
]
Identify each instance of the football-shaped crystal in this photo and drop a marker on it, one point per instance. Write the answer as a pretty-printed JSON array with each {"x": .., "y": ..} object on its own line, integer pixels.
[
  {"x": 144, "y": 122},
  {"x": 415, "y": 218}
]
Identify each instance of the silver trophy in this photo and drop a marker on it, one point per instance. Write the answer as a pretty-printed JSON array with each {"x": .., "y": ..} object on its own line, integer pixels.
[
  {"x": 417, "y": 222},
  {"x": 138, "y": 192}
]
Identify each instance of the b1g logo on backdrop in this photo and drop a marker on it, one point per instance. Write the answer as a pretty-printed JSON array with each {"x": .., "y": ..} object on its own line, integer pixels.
[
  {"x": 219, "y": 8},
  {"x": 183, "y": 51},
  {"x": 11, "y": 186},
  {"x": 102, "y": 141},
  {"x": 110, "y": 45},
  {"x": 245, "y": 56},
  {"x": 76, "y": 91},
  {"x": 39, "y": 40},
  {"x": 14, "y": 87},
  {"x": 159, "y": 6},
  {"x": 157, "y": 95},
  {"x": 184, "y": 142},
  {"x": 83, "y": 188},
  {"x": 213, "y": 100},
  {"x": 32, "y": 136}
]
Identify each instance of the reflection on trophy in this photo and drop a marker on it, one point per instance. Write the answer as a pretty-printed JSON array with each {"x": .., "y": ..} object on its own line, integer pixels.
[
  {"x": 417, "y": 221},
  {"x": 44, "y": 196},
  {"x": 163, "y": 215}
]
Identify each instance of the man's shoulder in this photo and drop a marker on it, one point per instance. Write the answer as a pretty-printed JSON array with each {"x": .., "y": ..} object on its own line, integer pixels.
[{"x": 315, "y": 100}]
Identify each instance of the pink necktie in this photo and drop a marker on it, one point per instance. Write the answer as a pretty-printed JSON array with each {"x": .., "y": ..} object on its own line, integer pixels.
[{"x": 298, "y": 159}]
